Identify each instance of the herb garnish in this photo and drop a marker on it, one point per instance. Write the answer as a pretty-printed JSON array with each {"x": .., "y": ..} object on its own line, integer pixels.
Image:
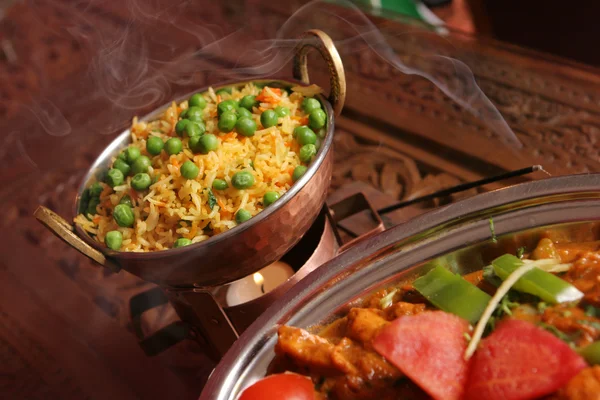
[
  {"x": 212, "y": 200},
  {"x": 493, "y": 230}
]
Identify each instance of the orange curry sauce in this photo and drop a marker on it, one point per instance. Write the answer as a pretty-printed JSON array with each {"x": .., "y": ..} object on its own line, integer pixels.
[{"x": 340, "y": 359}]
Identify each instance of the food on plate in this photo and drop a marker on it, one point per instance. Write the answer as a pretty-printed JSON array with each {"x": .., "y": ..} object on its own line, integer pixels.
[
  {"x": 205, "y": 165},
  {"x": 527, "y": 326}
]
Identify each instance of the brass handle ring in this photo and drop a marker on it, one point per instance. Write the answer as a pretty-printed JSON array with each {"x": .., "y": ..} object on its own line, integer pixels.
[
  {"x": 337, "y": 78},
  {"x": 65, "y": 231}
]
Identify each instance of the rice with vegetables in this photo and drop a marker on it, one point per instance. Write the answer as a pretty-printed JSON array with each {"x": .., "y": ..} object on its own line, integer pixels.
[{"x": 206, "y": 165}]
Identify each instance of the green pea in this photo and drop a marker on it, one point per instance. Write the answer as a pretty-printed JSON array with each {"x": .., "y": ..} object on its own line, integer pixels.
[
  {"x": 141, "y": 181},
  {"x": 95, "y": 189},
  {"x": 304, "y": 135},
  {"x": 182, "y": 242},
  {"x": 126, "y": 200},
  {"x": 223, "y": 91},
  {"x": 268, "y": 118},
  {"x": 248, "y": 102},
  {"x": 113, "y": 240},
  {"x": 132, "y": 154},
  {"x": 307, "y": 152},
  {"x": 242, "y": 180},
  {"x": 309, "y": 105},
  {"x": 173, "y": 146},
  {"x": 91, "y": 207},
  {"x": 322, "y": 133},
  {"x": 114, "y": 177},
  {"x": 227, "y": 121},
  {"x": 197, "y": 100},
  {"x": 122, "y": 166},
  {"x": 194, "y": 114},
  {"x": 282, "y": 111},
  {"x": 189, "y": 170},
  {"x": 220, "y": 184},
  {"x": 242, "y": 216},
  {"x": 141, "y": 165},
  {"x": 194, "y": 144},
  {"x": 317, "y": 119},
  {"x": 154, "y": 145},
  {"x": 298, "y": 172},
  {"x": 194, "y": 129},
  {"x": 227, "y": 105},
  {"x": 84, "y": 201},
  {"x": 243, "y": 113},
  {"x": 183, "y": 114},
  {"x": 208, "y": 143},
  {"x": 123, "y": 215},
  {"x": 180, "y": 126},
  {"x": 123, "y": 155},
  {"x": 246, "y": 126},
  {"x": 270, "y": 198}
]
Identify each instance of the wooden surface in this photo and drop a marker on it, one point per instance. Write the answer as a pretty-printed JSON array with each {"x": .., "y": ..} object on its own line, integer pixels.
[{"x": 72, "y": 74}]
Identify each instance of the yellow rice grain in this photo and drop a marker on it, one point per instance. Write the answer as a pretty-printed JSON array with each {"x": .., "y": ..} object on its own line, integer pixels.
[{"x": 175, "y": 207}]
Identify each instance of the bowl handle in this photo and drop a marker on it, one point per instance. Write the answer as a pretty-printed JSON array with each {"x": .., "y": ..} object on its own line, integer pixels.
[
  {"x": 337, "y": 78},
  {"x": 61, "y": 228}
]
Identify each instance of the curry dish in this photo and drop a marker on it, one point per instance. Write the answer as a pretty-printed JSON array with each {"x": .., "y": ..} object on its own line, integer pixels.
[{"x": 419, "y": 340}]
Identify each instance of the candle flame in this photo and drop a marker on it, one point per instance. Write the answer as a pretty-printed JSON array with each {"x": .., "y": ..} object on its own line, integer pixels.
[{"x": 258, "y": 278}]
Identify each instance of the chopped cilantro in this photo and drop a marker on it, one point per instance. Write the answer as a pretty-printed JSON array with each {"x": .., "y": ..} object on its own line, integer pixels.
[
  {"x": 593, "y": 324},
  {"x": 504, "y": 309},
  {"x": 212, "y": 200},
  {"x": 493, "y": 231},
  {"x": 592, "y": 311},
  {"x": 555, "y": 331}
]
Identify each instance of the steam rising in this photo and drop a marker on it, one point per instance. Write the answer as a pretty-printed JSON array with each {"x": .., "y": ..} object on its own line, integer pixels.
[{"x": 129, "y": 76}]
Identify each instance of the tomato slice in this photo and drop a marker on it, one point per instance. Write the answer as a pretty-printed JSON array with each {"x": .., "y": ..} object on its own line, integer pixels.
[
  {"x": 429, "y": 349},
  {"x": 520, "y": 361},
  {"x": 285, "y": 386}
]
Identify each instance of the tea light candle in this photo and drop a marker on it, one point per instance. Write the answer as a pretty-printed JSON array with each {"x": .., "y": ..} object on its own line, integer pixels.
[{"x": 259, "y": 283}]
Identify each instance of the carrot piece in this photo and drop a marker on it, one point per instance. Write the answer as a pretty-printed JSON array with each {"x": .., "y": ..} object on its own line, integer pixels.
[
  {"x": 193, "y": 232},
  {"x": 266, "y": 97},
  {"x": 226, "y": 214}
]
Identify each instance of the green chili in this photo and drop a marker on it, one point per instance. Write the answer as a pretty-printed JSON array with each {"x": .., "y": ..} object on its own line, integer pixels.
[
  {"x": 548, "y": 287},
  {"x": 453, "y": 294}
]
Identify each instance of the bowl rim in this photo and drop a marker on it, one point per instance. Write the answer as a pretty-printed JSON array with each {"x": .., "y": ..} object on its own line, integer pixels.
[
  {"x": 422, "y": 230},
  {"x": 116, "y": 146}
]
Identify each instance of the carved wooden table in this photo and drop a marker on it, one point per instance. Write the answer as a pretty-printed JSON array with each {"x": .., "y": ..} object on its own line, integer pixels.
[{"x": 73, "y": 74}]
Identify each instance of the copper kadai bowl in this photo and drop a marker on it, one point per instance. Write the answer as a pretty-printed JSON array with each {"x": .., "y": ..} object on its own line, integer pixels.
[
  {"x": 263, "y": 239},
  {"x": 457, "y": 235}
]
